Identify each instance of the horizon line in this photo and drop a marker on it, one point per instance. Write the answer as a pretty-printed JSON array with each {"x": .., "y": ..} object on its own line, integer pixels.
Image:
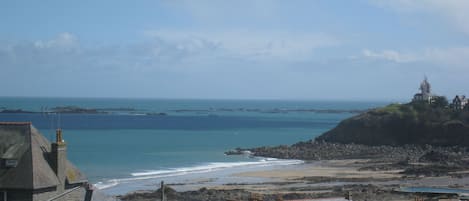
[{"x": 212, "y": 98}]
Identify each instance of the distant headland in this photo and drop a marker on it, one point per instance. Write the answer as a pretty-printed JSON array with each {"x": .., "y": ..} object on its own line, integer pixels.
[
  {"x": 427, "y": 119},
  {"x": 421, "y": 143}
]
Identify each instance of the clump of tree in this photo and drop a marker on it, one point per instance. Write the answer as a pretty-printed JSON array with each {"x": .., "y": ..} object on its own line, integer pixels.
[
  {"x": 439, "y": 102},
  {"x": 426, "y": 113},
  {"x": 439, "y": 110}
]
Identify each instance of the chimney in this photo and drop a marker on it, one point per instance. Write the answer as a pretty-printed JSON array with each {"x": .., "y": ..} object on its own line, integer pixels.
[{"x": 59, "y": 158}]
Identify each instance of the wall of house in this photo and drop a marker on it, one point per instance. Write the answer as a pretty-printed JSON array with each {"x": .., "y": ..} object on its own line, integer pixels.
[{"x": 20, "y": 195}]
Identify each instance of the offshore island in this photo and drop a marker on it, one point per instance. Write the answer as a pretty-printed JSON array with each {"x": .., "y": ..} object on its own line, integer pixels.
[{"x": 412, "y": 151}]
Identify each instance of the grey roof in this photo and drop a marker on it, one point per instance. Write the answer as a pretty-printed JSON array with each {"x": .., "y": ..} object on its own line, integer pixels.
[{"x": 24, "y": 143}]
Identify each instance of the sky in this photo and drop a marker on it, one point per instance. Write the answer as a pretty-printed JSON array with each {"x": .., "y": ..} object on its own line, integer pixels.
[{"x": 244, "y": 49}]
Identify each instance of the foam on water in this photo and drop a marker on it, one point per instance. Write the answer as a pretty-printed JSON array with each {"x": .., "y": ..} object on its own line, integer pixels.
[{"x": 208, "y": 167}]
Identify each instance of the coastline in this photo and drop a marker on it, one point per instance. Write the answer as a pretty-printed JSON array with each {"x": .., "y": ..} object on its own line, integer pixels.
[
  {"x": 336, "y": 169},
  {"x": 381, "y": 177},
  {"x": 321, "y": 179},
  {"x": 347, "y": 171},
  {"x": 195, "y": 177}
]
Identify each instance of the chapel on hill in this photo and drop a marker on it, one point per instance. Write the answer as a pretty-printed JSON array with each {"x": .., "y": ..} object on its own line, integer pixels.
[
  {"x": 425, "y": 94},
  {"x": 459, "y": 102}
]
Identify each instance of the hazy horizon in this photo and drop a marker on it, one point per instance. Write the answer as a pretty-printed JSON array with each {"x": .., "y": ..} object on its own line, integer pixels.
[
  {"x": 234, "y": 50},
  {"x": 215, "y": 99}
]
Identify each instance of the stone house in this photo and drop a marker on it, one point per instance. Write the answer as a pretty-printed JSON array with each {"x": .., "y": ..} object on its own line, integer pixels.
[
  {"x": 33, "y": 169},
  {"x": 459, "y": 102}
]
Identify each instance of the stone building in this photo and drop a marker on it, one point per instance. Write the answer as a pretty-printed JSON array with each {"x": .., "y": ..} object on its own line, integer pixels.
[
  {"x": 32, "y": 168},
  {"x": 425, "y": 94},
  {"x": 459, "y": 102}
]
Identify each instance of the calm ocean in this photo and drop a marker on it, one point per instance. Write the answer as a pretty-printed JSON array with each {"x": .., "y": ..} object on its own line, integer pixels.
[{"x": 154, "y": 138}]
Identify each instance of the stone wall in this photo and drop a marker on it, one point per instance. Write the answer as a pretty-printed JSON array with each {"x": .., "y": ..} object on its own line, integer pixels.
[{"x": 75, "y": 195}]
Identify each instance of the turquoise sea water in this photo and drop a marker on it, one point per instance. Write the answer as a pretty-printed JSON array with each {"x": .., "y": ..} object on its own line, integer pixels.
[{"x": 191, "y": 136}]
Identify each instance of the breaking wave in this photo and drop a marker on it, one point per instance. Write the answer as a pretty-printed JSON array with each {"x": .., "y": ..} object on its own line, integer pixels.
[{"x": 208, "y": 167}]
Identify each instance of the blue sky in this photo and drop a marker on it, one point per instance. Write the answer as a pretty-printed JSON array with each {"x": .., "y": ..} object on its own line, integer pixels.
[{"x": 343, "y": 50}]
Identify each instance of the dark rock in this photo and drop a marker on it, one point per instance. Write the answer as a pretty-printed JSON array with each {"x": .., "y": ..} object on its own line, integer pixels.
[
  {"x": 400, "y": 124},
  {"x": 431, "y": 170},
  {"x": 75, "y": 110},
  {"x": 10, "y": 111}
]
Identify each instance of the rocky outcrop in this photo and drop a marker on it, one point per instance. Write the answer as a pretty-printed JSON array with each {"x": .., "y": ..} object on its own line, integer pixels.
[
  {"x": 318, "y": 150},
  {"x": 204, "y": 194},
  {"x": 357, "y": 191},
  {"x": 401, "y": 124}
]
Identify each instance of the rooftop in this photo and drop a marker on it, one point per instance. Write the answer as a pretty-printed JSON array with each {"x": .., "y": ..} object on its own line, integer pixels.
[
  {"x": 22, "y": 143},
  {"x": 15, "y": 123}
]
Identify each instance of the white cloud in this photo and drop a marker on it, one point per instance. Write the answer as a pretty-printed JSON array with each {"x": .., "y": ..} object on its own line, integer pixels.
[
  {"x": 450, "y": 58},
  {"x": 63, "y": 40},
  {"x": 390, "y": 55},
  {"x": 61, "y": 52},
  {"x": 266, "y": 45},
  {"x": 168, "y": 49},
  {"x": 455, "y": 12},
  {"x": 200, "y": 64}
]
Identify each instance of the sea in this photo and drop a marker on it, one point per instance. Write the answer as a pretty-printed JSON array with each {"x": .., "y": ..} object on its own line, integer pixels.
[{"x": 132, "y": 144}]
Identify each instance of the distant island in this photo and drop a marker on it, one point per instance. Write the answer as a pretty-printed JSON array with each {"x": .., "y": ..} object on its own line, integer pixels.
[
  {"x": 68, "y": 110},
  {"x": 81, "y": 110}
]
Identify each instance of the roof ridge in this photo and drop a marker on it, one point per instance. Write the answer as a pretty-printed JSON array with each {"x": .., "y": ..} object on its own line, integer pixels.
[
  {"x": 40, "y": 164},
  {"x": 19, "y": 123},
  {"x": 30, "y": 155}
]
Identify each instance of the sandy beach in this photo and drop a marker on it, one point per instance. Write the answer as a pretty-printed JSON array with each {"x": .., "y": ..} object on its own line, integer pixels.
[
  {"x": 324, "y": 178},
  {"x": 337, "y": 169},
  {"x": 318, "y": 179}
]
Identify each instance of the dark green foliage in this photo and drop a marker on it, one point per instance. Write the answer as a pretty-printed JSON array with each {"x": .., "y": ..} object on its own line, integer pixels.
[
  {"x": 411, "y": 123},
  {"x": 440, "y": 102}
]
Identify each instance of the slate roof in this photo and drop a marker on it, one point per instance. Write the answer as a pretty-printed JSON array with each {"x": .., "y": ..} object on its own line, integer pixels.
[{"x": 22, "y": 142}]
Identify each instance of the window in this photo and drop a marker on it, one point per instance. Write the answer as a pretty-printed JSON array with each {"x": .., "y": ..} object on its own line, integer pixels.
[
  {"x": 11, "y": 163},
  {"x": 3, "y": 196}
]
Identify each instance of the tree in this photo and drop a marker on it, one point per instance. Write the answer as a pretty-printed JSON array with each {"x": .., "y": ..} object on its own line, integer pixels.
[{"x": 440, "y": 102}]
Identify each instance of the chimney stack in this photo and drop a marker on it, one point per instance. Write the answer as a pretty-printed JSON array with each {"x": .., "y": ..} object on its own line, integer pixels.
[
  {"x": 59, "y": 159},
  {"x": 58, "y": 136}
]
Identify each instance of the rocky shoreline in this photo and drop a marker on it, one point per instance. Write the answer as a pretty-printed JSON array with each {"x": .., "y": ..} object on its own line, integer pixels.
[
  {"x": 415, "y": 160},
  {"x": 362, "y": 171},
  {"x": 357, "y": 192}
]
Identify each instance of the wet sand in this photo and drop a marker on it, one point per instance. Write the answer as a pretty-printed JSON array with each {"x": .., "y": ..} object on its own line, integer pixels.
[
  {"x": 326, "y": 176},
  {"x": 341, "y": 169},
  {"x": 319, "y": 179}
]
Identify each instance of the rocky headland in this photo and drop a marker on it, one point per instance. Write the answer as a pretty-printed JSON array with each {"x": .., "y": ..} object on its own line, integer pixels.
[
  {"x": 400, "y": 124},
  {"x": 420, "y": 138},
  {"x": 369, "y": 156}
]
